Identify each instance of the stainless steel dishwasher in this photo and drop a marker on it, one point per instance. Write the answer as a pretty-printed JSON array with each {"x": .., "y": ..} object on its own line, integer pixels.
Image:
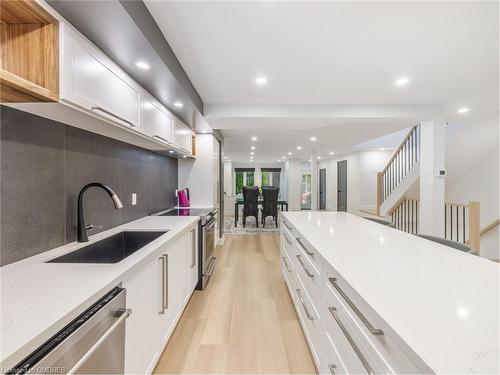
[{"x": 93, "y": 343}]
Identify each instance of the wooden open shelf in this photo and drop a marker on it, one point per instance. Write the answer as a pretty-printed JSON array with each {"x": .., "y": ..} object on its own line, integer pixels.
[{"x": 29, "y": 69}]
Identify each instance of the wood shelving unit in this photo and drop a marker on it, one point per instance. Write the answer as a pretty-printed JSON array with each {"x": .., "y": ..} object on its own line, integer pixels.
[{"x": 29, "y": 70}]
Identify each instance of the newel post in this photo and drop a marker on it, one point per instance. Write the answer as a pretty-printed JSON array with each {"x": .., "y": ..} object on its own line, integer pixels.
[
  {"x": 379, "y": 191},
  {"x": 474, "y": 230}
]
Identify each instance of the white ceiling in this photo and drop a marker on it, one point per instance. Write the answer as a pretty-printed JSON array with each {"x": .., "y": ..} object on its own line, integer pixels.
[{"x": 333, "y": 53}]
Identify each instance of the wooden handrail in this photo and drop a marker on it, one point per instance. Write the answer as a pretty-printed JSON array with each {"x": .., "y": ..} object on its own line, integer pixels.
[
  {"x": 489, "y": 227},
  {"x": 399, "y": 148},
  {"x": 474, "y": 232}
]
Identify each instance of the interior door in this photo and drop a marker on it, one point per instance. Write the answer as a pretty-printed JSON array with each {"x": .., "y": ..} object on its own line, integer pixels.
[
  {"x": 322, "y": 189},
  {"x": 342, "y": 185}
]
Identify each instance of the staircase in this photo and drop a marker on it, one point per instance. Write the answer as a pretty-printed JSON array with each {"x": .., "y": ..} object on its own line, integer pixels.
[
  {"x": 400, "y": 174},
  {"x": 394, "y": 184}
]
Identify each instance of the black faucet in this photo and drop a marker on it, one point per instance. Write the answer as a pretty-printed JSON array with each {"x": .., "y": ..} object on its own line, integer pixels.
[{"x": 81, "y": 227}]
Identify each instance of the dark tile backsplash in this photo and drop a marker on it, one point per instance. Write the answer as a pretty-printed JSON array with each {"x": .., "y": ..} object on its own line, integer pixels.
[{"x": 44, "y": 164}]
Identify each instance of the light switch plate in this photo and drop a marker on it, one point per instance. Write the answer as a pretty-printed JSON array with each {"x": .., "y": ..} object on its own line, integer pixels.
[{"x": 134, "y": 199}]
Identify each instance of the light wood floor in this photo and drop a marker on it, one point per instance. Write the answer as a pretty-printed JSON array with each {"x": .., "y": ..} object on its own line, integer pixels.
[{"x": 244, "y": 322}]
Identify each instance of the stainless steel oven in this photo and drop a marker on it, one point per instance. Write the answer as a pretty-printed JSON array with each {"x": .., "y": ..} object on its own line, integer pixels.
[
  {"x": 93, "y": 343},
  {"x": 206, "y": 247}
]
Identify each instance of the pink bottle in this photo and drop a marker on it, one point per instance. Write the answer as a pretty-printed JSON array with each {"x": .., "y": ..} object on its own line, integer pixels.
[{"x": 183, "y": 199}]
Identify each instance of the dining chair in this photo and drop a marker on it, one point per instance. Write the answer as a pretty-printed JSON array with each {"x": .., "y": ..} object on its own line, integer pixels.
[
  {"x": 250, "y": 204},
  {"x": 270, "y": 204}
]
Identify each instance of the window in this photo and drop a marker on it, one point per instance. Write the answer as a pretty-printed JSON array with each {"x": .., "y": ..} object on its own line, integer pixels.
[
  {"x": 305, "y": 192},
  {"x": 243, "y": 177},
  {"x": 270, "y": 179}
]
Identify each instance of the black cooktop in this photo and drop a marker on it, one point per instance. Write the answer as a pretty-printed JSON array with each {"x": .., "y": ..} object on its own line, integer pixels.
[{"x": 185, "y": 212}]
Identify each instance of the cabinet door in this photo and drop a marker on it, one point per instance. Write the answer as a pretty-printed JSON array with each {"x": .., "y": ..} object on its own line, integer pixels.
[
  {"x": 183, "y": 137},
  {"x": 155, "y": 122},
  {"x": 91, "y": 81},
  {"x": 176, "y": 256},
  {"x": 141, "y": 332},
  {"x": 193, "y": 259}
]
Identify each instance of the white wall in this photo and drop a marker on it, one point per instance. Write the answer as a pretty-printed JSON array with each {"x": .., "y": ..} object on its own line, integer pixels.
[
  {"x": 293, "y": 176},
  {"x": 370, "y": 162},
  {"x": 481, "y": 184},
  {"x": 362, "y": 168}
]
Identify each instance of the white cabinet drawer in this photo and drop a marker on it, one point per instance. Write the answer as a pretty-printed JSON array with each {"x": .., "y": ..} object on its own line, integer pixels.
[
  {"x": 310, "y": 318},
  {"x": 155, "y": 121},
  {"x": 381, "y": 349},
  {"x": 303, "y": 245},
  {"x": 332, "y": 362},
  {"x": 90, "y": 80}
]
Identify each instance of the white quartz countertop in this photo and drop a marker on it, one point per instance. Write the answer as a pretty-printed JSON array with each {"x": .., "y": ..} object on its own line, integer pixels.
[
  {"x": 38, "y": 299},
  {"x": 442, "y": 302}
]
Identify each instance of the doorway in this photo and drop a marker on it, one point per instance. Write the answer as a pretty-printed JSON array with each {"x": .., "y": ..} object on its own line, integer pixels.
[
  {"x": 322, "y": 189},
  {"x": 342, "y": 185}
]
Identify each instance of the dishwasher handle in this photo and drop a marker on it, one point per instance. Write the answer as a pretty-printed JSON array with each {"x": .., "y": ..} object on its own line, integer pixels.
[{"x": 125, "y": 313}]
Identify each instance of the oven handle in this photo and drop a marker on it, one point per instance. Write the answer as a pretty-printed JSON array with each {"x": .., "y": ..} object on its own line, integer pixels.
[
  {"x": 125, "y": 314},
  {"x": 210, "y": 223}
]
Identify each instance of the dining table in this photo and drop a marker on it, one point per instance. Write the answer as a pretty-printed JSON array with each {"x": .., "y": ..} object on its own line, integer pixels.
[{"x": 240, "y": 201}]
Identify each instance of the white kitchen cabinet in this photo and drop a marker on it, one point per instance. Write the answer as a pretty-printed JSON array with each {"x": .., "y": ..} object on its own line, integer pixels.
[
  {"x": 156, "y": 122},
  {"x": 89, "y": 79},
  {"x": 183, "y": 137},
  {"x": 157, "y": 293},
  {"x": 141, "y": 333}
]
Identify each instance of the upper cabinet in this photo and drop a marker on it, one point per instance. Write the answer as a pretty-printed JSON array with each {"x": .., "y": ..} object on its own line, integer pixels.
[
  {"x": 156, "y": 122},
  {"x": 89, "y": 79},
  {"x": 29, "y": 53},
  {"x": 43, "y": 59},
  {"x": 183, "y": 137}
]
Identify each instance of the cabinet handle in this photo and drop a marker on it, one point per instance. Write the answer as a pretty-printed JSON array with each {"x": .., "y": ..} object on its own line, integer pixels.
[
  {"x": 162, "y": 310},
  {"x": 288, "y": 239},
  {"x": 193, "y": 248},
  {"x": 166, "y": 280},
  {"x": 211, "y": 266},
  {"x": 373, "y": 331},
  {"x": 286, "y": 225},
  {"x": 309, "y": 273},
  {"x": 161, "y": 139},
  {"x": 309, "y": 316},
  {"x": 113, "y": 115},
  {"x": 304, "y": 246},
  {"x": 286, "y": 265},
  {"x": 332, "y": 367},
  {"x": 347, "y": 335}
]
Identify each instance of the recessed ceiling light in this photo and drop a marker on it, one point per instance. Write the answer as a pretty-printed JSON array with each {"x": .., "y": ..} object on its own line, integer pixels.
[
  {"x": 225, "y": 157},
  {"x": 382, "y": 149},
  {"x": 403, "y": 81},
  {"x": 299, "y": 147},
  {"x": 252, "y": 153},
  {"x": 229, "y": 161},
  {"x": 309, "y": 160},
  {"x": 289, "y": 153},
  {"x": 253, "y": 138},
  {"x": 261, "y": 80},
  {"x": 313, "y": 139},
  {"x": 178, "y": 104},
  {"x": 279, "y": 160},
  {"x": 184, "y": 156},
  {"x": 252, "y": 148},
  {"x": 319, "y": 157},
  {"x": 332, "y": 153},
  {"x": 463, "y": 110},
  {"x": 204, "y": 131},
  {"x": 171, "y": 152},
  {"x": 142, "y": 65}
]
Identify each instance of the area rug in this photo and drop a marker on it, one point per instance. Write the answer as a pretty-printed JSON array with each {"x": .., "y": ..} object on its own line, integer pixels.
[{"x": 250, "y": 226}]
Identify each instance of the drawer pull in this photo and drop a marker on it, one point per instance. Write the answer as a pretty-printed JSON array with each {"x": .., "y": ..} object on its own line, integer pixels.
[
  {"x": 332, "y": 367},
  {"x": 286, "y": 225},
  {"x": 286, "y": 265},
  {"x": 309, "y": 273},
  {"x": 161, "y": 139},
  {"x": 301, "y": 299},
  {"x": 347, "y": 335},
  {"x": 309, "y": 252},
  {"x": 288, "y": 239},
  {"x": 373, "y": 331}
]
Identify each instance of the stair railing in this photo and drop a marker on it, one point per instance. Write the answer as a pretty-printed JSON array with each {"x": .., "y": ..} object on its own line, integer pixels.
[
  {"x": 461, "y": 221},
  {"x": 398, "y": 166}
]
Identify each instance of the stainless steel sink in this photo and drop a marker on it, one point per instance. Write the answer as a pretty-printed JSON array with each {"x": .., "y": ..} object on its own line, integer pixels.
[{"x": 112, "y": 249}]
